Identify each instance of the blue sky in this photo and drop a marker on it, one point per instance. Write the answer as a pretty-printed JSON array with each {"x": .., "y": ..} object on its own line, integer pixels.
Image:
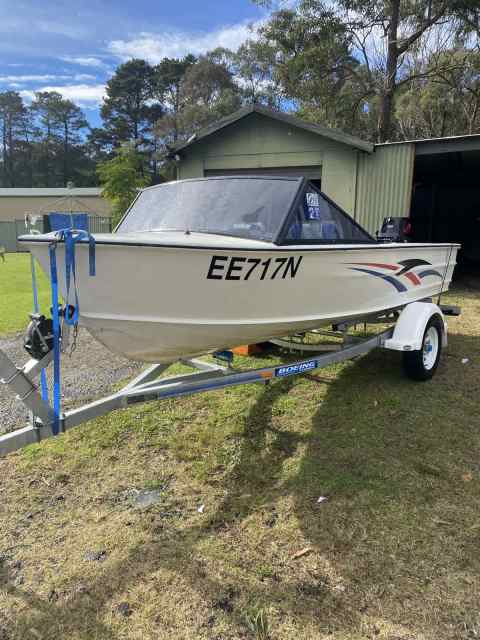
[{"x": 73, "y": 47}]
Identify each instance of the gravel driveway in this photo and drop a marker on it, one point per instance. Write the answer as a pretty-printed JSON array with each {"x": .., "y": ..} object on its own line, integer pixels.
[{"x": 88, "y": 374}]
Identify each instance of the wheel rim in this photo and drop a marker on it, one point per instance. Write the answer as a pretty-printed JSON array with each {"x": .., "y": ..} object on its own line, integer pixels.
[{"x": 430, "y": 348}]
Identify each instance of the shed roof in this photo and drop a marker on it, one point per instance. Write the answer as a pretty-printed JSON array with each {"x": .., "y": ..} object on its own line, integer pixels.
[
  {"x": 464, "y": 137},
  {"x": 26, "y": 192},
  {"x": 318, "y": 129},
  {"x": 447, "y": 144}
]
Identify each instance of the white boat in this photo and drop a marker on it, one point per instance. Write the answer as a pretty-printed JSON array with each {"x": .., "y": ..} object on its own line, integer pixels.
[{"x": 202, "y": 265}]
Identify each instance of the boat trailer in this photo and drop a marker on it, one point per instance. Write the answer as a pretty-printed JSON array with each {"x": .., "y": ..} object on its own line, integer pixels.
[{"x": 409, "y": 331}]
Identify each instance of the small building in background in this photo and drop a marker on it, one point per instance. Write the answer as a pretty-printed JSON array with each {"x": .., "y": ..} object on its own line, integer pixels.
[
  {"x": 434, "y": 182},
  {"x": 24, "y": 208}
]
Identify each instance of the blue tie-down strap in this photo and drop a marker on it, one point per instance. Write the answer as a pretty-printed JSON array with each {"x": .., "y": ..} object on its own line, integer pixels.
[
  {"x": 36, "y": 308},
  {"x": 70, "y": 238}
]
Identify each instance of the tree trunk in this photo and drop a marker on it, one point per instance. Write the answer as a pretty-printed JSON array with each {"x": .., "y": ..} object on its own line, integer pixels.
[
  {"x": 4, "y": 152},
  {"x": 65, "y": 153},
  {"x": 444, "y": 123},
  {"x": 4, "y": 148},
  {"x": 11, "y": 154},
  {"x": 176, "y": 109},
  {"x": 47, "y": 155},
  {"x": 388, "y": 95}
]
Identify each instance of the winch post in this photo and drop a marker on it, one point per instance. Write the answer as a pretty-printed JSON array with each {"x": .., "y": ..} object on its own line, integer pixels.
[{"x": 19, "y": 380}]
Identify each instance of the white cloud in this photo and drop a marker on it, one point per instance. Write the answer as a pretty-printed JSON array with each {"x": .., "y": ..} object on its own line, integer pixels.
[
  {"x": 84, "y": 61},
  {"x": 83, "y": 77},
  {"x": 33, "y": 78},
  {"x": 86, "y": 96},
  {"x": 176, "y": 44},
  {"x": 69, "y": 29}
]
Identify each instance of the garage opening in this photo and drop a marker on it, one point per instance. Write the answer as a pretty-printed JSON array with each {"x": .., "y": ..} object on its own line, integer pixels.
[
  {"x": 446, "y": 200},
  {"x": 313, "y": 173}
]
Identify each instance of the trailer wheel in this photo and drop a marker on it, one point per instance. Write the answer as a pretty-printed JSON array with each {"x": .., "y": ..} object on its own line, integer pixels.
[{"x": 421, "y": 365}]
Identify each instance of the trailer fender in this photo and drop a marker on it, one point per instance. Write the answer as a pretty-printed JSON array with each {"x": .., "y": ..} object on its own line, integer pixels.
[{"x": 410, "y": 327}]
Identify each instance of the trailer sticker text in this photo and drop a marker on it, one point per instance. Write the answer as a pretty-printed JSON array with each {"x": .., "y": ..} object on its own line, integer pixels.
[
  {"x": 294, "y": 369},
  {"x": 243, "y": 268}
]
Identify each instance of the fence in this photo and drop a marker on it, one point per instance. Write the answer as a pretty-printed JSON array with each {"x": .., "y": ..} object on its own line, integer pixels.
[{"x": 9, "y": 231}]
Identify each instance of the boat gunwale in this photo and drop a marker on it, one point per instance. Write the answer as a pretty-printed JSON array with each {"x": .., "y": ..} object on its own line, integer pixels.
[{"x": 270, "y": 247}]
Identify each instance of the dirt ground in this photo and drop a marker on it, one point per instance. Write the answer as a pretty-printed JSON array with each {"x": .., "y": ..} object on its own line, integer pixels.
[{"x": 79, "y": 383}]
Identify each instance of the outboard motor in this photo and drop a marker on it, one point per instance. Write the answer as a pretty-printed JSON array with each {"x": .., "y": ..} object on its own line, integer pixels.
[{"x": 395, "y": 230}]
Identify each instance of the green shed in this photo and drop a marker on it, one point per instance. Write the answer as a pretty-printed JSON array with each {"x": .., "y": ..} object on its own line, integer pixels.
[{"x": 368, "y": 182}]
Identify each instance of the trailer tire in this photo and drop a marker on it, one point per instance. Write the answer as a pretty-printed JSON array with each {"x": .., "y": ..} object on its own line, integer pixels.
[{"x": 421, "y": 365}]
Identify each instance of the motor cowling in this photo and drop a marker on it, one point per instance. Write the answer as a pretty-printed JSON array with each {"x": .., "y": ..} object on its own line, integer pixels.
[
  {"x": 38, "y": 338},
  {"x": 395, "y": 229}
]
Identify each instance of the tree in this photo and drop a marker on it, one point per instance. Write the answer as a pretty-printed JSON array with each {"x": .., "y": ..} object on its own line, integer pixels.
[
  {"x": 121, "y": 177},
  {"x": 71, "y": 122},
  {"x": 46, "y": 132},
  {"x": 446, "y": 103},
  {"x": 206, "y": 93},
  {"x": 13, "y": 115},
  {"x": 169, "y": 75},
  {"x": 364, "y": 45},
  {"x": 43, "y": 144},
  {"x": 57, "y": 139},
  {"x": 312, "y": 55},
  {"x": 403, "y": 25},
  {"x": 252, "y": 67},
  {"x": 127, "y": 109}
]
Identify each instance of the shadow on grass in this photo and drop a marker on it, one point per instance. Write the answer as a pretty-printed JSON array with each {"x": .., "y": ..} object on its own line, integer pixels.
[{"x": 387, "y": 452}]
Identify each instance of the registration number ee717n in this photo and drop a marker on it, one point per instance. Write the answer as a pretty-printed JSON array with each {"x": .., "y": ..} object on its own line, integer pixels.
[{"x": 243, "y": 268}]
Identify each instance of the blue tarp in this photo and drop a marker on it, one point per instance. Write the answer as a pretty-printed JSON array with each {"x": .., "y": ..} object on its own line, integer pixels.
[{"x": 59, "y": 221}]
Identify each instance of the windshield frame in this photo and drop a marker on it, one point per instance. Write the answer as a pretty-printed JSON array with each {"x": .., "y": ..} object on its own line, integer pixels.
[
  {"x": 282, "y": 239},
  {"x": 281, "y": 222}
]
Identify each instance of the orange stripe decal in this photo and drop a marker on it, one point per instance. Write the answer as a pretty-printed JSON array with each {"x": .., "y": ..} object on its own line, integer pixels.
[
  {"x": 392, "y": 267},
  {"x": 412, "y": 277}
]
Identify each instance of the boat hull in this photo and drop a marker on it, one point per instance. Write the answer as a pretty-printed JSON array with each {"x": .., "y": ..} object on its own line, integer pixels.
[{"x": 157, "y": 303}]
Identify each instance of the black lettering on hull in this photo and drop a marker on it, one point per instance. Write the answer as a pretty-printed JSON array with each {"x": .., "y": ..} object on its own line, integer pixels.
[{"x": 242, "y": 268}]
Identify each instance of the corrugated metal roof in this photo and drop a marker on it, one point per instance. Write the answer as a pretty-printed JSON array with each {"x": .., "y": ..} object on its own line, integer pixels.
[
  {"x": 469, "y": 136},
  {"x": 318, "y": 129},
  {"x": 49, "y": 192}
]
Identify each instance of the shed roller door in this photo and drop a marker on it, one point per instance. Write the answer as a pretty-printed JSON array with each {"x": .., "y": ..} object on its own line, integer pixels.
[{"x": 312, "y": 173}]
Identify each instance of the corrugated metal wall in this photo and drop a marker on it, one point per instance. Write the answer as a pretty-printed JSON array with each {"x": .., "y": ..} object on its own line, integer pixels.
[
  {"x": 8, "y": 236},
  {"x": 384, "y": 184}
]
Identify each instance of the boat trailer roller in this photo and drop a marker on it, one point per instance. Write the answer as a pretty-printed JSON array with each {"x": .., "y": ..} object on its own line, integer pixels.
[{"x": 419, "y": 331}]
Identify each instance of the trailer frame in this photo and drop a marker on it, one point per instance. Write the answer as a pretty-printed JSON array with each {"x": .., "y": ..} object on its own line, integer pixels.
[{"x": 206, "y": 375}]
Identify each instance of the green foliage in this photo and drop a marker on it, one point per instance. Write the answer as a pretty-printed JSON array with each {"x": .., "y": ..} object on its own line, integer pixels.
[
  {"x": 256, "y": 620},
  {"x": 254, "y": 65},
  {"x": 43, "y": 145},
  {"x": 206, "y": 92},
  {"x": 346, "y": 63},
  {"x": 444, "y": 103},
  {"x": 12, "y": 122},
  {"x": 16, "y": 292},
  {"x": 125, "y": 111},
  {"x": 121, "y": 177}
]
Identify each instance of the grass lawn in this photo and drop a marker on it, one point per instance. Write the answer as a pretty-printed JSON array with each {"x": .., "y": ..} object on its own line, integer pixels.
[
  {"x": 16, "y": 292},
  {"x": 236, "y": 545}
]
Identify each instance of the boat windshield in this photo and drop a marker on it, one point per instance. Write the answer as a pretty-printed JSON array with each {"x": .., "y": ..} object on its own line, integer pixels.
[
  {"x": 318, "y": 220},
  {"x": 253, "y": 207}
]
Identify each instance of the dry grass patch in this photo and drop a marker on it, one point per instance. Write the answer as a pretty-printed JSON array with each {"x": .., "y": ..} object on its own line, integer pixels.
[{"x": 393, "y": 554}]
